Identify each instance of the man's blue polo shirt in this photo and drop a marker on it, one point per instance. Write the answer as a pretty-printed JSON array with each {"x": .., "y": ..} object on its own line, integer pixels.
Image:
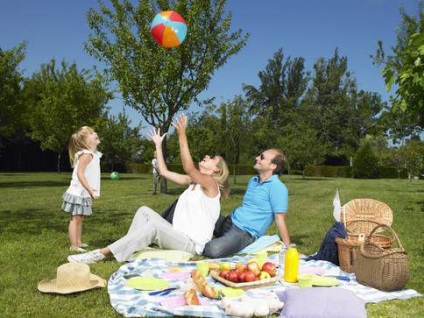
[{"x": 260, "y": 202}]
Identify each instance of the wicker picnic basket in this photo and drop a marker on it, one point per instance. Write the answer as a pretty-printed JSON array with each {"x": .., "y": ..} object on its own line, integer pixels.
[
  {"x": 359, "y": 230},
  {"x": 348, "y": 250},
  {"x": 380, "y": 268},
  {"x": 366, "y": 209},
  {"x": 361, "y": 217}
]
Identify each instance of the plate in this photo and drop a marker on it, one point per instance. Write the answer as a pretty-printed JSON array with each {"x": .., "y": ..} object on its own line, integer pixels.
[
  {"x": 244, "y": 286},
  {"x": 231, "y": 292},
  {"x": 147, "y": 283},
  {"x": 324, "y": 281}
]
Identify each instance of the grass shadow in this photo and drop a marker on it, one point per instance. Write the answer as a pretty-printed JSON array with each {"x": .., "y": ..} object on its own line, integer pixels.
[{"x": 32, "y": 184}]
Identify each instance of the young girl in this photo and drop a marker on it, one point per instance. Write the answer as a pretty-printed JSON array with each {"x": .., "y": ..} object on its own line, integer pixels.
[{"x": 85, "y": 183}]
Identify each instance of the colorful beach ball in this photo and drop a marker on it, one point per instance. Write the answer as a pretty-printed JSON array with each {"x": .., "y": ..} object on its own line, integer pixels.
[{"x": 169, "y": 29}]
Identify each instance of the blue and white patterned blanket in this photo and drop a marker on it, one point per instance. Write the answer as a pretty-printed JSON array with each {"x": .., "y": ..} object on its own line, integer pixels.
[{"x": 131, "y": 302}]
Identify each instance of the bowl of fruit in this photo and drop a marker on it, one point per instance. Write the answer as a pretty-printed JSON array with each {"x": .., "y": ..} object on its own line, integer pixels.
[{"x": 252, "y": 274}]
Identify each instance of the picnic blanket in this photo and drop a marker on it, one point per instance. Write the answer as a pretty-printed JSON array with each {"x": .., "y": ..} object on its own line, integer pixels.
[{"x": 131, "y": 302}]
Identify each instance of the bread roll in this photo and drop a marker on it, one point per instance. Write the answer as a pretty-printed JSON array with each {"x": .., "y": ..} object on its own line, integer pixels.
[{"x": 191, "y": 298}]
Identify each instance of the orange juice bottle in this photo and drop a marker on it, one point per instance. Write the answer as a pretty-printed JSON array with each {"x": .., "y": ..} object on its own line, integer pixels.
[{"x": 291, "y": 264}]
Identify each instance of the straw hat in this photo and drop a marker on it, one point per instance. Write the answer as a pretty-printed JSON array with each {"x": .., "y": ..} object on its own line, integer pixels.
[{"x": 71, "y": 278}]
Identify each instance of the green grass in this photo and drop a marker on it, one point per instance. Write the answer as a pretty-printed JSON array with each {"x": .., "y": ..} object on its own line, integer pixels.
[{"x": 34, "y": 241}]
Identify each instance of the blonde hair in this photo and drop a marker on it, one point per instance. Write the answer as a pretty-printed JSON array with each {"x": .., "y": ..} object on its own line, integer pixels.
[
  {"x": 222, "y": 177},
  {"x": 78, "y": 142}
]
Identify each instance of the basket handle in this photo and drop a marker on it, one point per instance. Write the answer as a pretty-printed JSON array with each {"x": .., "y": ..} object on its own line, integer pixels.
[{"x": 390, "y": 230}]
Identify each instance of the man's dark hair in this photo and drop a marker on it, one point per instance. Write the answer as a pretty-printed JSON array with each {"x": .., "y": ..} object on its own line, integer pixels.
[{"x": 279, "y": 160}]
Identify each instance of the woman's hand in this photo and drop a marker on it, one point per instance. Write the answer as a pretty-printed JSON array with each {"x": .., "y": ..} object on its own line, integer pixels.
[
  {"x": 180, "y": 124},
  {"x": 154, "y": 134}
]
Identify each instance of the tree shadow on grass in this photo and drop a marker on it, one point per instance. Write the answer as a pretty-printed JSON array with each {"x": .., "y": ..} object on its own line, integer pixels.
[
  {"x": 32, "y": 184},
  {"x": 36, "y": 221}
]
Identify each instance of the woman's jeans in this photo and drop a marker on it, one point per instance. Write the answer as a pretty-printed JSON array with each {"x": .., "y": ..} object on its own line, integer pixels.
[{"x": 231, "y": 241}]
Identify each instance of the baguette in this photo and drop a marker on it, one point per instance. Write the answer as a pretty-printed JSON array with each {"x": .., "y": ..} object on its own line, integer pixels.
[
  {"x": 206, "y": 289},
  {"x": 190, "y": 297}
]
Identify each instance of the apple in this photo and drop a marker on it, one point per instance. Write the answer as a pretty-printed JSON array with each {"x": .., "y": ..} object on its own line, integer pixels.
[
  {"x": 240, "y": 267},
  {"x": 223, "y": 273},
  {"x": 254, "y": 266},
  {"x": 264, "y": 275},
  {"x": 233, "y": 276},
  {"x": 225, "y": 265},
  {"x": 269, "y": 267},
  {"x": 249, "y": 276},
  {"x": 241, "y": 276}
]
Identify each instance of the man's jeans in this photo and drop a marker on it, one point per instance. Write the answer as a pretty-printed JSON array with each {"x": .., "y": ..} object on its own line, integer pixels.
[{"x": 231, "y": 241}]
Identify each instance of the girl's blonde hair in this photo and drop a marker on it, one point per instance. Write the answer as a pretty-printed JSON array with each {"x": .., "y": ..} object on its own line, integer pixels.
[
  {"x": 78, "y": 142},
  {"x": 222, "y": 177}
]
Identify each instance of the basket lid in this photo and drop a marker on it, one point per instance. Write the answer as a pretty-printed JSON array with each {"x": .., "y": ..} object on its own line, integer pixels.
[{"x": 367, "y": 210}]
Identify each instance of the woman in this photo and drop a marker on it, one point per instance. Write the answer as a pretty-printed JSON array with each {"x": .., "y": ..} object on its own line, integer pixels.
[{"x": 195, "y": 214}]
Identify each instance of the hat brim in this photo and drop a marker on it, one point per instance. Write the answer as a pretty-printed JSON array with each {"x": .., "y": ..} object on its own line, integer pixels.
[{"x": 49, "y": 286}]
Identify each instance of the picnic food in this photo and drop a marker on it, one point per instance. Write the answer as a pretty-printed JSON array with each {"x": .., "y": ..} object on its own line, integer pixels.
[
  {"x": 206, "y": 289},
  {"x": 249, "y": 272},
  {"x": 270, "y": 268},
  {"x": 190, "y": 297}
]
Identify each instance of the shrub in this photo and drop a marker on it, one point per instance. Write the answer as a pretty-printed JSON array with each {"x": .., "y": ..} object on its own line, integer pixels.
[{"x": 365, "y": 163}]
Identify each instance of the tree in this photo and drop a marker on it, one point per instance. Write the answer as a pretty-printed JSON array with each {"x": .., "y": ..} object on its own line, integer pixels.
[
  {"x": 330, "y": 103},
  {"x": 159, "y": 82},
  {"x": 282, "y": 86},
  {"x": 365, "y": 162},
  {"x": 399, "y": 124},
  {"x": 61, "y": 101},
  {"x": 405, "y": 67},
  {"x": 414, "y": 157},
  {"x": 11, "y": 85},
  {"x": 155, "y": 81},
  {"x": 235, "y": 128},
  {"x": 120, "y": 142}
]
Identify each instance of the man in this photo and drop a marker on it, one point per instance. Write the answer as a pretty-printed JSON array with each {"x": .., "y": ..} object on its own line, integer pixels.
[
  {"x": 155, "y": 172},
  {"x": 265, "y": 201}
]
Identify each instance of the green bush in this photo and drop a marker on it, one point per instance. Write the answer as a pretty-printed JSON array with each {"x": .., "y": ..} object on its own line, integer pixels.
[
  {"x": 328, "y": 171},
  {"x": 392, "y": 173},
  {"x": 365, "y": 163},
  {"x": 139, "y": 168}
]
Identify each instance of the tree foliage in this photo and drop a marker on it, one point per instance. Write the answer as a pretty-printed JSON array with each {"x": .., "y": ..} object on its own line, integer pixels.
[
  {"x": 404, "y": 69},
  {"x": 365, "y": 162},
  {"x": 414, "y": 157},
  {"x": 61, "y": 101},
  {"x": 120, "y": 141},
  {"x": 11, "y": 85},
  {"x": 155, "y": 81}
]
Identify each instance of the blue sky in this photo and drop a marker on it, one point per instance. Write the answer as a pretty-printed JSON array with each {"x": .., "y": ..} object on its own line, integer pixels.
[{"x": 302, "y": 28}]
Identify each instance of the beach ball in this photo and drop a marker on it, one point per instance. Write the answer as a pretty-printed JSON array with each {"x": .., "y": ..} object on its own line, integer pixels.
[
  {"x": 114, "y": 175},
  {"x": 169, "y": 29}
]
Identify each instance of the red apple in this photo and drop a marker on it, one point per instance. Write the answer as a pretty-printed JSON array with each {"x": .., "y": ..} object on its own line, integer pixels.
[
  {"x": 254, "y": 267},
  {"x": 223, "y": 273},
  {"x": 241, "y": 276},
  {"x": 233, "y": 276},
  {"x": 249, "y": 276},
  {"x": 270, "y": 268}
]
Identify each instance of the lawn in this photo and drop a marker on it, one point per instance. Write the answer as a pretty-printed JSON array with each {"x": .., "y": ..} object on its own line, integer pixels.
[{"x": 33, "y": 232}]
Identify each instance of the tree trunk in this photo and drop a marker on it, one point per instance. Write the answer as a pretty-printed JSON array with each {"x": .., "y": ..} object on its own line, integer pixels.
[
  {"x": 58, "y": 162},
  {"x": 163, "y": 181}
]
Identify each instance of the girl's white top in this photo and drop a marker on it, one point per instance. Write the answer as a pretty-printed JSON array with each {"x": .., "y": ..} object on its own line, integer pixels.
[
  {"x": 92, "y": 174},
  {"x": 196, "y": 215}
]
